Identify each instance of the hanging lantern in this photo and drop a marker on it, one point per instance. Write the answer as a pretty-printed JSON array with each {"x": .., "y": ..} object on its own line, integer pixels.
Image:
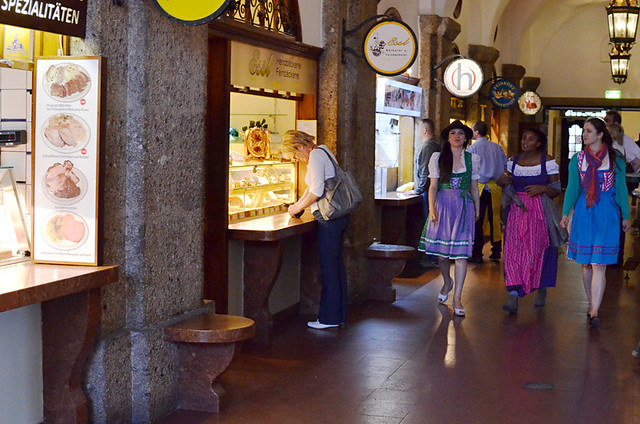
[
  {"x": 622, "y": 18},
  {"x": 619, "y": 60}
]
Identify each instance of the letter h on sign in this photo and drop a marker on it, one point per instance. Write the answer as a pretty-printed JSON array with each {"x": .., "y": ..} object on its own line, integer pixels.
[{"x": 470, "y": 77}]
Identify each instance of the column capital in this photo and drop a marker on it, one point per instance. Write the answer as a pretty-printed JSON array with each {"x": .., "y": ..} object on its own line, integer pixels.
[
  {"x": 449, "y": 29},
  {"x": 530, "y": 83},
  {"x": 513, "y": 73},
  {"x": 430, "y": 23},
  {"x": 483, "y": 54}
]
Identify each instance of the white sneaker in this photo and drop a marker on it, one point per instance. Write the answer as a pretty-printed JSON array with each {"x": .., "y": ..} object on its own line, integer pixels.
[{"x": 320, "y": 326}]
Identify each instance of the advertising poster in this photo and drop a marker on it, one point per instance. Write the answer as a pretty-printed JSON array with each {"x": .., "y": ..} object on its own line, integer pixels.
[{"x": 65, "y": 159}]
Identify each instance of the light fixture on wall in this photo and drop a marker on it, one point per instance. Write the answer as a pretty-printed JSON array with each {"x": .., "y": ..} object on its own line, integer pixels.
[
  {"x": 619, "y": 60},
  {"x": 622, "y": 17}
]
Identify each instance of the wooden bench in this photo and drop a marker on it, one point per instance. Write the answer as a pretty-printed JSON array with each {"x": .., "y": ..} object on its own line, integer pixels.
[
  {"x": 384, "y": 263},
  {"x": 206, "y": 344}
]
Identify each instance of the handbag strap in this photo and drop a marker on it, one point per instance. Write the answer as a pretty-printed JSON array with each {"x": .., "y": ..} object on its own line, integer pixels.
[{"x": 333, "y": 162}]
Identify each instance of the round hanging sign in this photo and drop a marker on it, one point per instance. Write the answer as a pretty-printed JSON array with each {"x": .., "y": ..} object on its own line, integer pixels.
[
  {"x": 463, "y": 78},
  {"x": 192, "y": 12},
  {"x": 390, "y": 47},
  {"x": 503, "y": 94},
  {"x": 529, "y": 102}
]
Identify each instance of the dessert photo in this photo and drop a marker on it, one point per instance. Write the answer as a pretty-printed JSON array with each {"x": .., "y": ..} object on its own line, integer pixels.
[{"x": 65, "y": 231}]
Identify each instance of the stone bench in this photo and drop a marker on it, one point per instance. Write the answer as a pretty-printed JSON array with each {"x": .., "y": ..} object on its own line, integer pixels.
[
  {"x": 206, "y": 344},
  {"x": 384, "y": 263}
]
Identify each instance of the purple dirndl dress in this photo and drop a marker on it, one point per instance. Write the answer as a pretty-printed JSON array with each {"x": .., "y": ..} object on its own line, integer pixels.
[{"x": 451, "y": 236}]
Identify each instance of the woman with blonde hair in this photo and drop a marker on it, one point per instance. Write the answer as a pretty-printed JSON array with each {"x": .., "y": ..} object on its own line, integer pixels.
[{"x": 300, "y": 146}]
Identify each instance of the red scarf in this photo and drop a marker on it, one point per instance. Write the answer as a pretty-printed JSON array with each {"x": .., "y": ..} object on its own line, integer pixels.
[{"x": 590, "y": 182}]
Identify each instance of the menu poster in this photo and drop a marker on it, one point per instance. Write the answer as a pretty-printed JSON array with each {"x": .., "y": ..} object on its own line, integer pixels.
[{"x": 65, "y": 159}]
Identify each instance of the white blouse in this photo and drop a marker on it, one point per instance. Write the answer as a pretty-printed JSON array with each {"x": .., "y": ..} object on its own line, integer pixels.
[
  {"x": 532, "y": 171},
  {"x": 434, "y": 171}
]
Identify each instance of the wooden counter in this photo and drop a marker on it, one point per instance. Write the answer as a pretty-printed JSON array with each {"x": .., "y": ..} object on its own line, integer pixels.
[
  {"x": 262, "y": 261},
  {"x": 401, "y": 218},
  {"x": 70, "y": 297}
]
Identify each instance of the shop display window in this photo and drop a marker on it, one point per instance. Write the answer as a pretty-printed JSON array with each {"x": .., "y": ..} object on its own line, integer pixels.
[
  {"x": 14, "y": 238},
  {"x": 261, "y": 182}
]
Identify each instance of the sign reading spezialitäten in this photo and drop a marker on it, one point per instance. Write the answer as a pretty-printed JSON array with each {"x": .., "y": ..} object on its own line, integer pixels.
[
  {"x": 68, "y": 17},
  {"x": 463, "y": 78},
  {"x": 192, "y": 12},
  {"x": 390, "y": 47}
]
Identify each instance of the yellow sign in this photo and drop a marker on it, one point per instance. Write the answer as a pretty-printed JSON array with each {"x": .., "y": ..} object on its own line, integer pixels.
[
  {"x": 259, "y": 67},
  {"x": 17, "y": 43},
  {"x": 192, "y": 12}
]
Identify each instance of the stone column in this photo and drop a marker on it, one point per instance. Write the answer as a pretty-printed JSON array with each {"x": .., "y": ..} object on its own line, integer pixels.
[
  {"x": 486, "y": 58},
  {"x": 346, "y": 123},
  {"x": 510, "y": 118},
  {"x": 436, "y": 43},
  {"x": 152, "y": 143}
]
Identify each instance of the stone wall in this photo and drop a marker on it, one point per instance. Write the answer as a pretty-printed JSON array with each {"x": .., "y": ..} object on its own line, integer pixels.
[{"x": 152, "y": 200}]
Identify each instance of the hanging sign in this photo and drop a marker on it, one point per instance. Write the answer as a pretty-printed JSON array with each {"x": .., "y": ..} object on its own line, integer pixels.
[
  {"x": 67, "y": 17},
  {"x": 259, "y": 67},
  {"x": 503, "y": 94},
  {"x": 65, "y": 159},
  {"x": 463, "y": 78},
  {"x": 192, "y": 12},
  {"x": 529, "y": 102},
  {"x": 390, "y": 48}
]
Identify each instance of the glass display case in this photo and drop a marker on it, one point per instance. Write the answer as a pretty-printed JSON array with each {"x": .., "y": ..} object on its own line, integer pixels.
[
  {"x": 260, "y": 188},
  {"x": 15, "y": 245}
]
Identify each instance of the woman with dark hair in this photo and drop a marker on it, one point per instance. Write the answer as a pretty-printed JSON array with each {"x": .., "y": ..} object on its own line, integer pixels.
[
  {"x": 453, "y": 209},
  {"x": 530, "y": 257},
  {"x": 598, "y": 195}
]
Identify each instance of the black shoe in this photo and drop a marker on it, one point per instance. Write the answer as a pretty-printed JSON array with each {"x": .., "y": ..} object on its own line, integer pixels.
[
  {"x": 494, "y": 256},
  {"x": 594, "y": 322},
  {"x": 475, "y": 259},
  {"x": 541, "y": 298},
  {"x": 512, "y": 304}
]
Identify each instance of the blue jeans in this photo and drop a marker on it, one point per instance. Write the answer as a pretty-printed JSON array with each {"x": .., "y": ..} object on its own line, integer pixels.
[{"x": 333, "y": 300}]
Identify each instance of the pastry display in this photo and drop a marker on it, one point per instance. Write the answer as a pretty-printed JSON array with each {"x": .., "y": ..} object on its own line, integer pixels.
[
  {"x": 65, "y": 231},
  {"x": 66, "y": 81},
  {"x": 256, "y": 143},
  {"x": 62, "y": 181},
  {"x": 65, "y": 132}
]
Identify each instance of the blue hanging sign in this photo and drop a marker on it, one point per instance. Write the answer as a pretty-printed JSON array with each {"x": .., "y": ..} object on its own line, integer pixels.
[{"x": 503, "y": 94}]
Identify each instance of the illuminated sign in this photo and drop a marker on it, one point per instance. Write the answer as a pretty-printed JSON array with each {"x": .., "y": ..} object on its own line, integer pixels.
[
  {"x": 463, "y": 78},
  {"x": 192, "y": 12},
  {"x": 390, "y": 48},
  {"x": 503, "y": 94},
  {"x": 68, "y": 17},
  {"x": 529, "y": 102}
]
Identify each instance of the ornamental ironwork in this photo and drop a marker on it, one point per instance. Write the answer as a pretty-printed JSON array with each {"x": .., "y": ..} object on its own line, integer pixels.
[{"x": 273, "y": 15}]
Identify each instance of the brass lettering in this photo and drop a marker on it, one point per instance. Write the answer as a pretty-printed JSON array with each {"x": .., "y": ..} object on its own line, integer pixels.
[{"x": 261, "y": 68}]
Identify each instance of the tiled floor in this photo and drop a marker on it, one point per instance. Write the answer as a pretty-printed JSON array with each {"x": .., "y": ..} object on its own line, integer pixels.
[{"x": 412, "y": 362}]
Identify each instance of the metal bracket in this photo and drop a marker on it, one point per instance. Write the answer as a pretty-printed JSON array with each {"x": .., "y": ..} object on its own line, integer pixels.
[{"x": 346, "y": 32}]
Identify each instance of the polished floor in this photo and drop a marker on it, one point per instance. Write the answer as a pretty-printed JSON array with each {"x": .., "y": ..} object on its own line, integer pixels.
[{"x": 412, "y": 362}]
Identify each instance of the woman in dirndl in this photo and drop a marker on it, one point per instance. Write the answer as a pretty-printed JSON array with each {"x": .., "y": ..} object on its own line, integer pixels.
[
  {"x": 453, "y": 210},
  {"x": 530, "y": 258},
  {"x": 598, "y": 195}
]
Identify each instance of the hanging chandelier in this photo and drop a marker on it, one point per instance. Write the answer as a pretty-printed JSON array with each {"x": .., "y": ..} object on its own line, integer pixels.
[
  {"x": 619, "y": 60},
  {"x": 622, "y": 16}
]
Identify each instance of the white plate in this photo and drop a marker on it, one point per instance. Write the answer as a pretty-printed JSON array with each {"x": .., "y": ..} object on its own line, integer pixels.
[
  {"x": 75, "y": 96},
  {"x": 66, "y": 148},
  {"x": 65, "y": 244},
  {"x": 82, "y": 184}
]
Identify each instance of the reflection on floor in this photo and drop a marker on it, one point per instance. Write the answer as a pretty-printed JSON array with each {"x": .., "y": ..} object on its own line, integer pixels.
[{"x": 413, "y": 362}]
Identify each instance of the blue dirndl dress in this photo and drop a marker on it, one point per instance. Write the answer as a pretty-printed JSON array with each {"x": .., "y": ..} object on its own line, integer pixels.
[{"x": 595, "y": 232}]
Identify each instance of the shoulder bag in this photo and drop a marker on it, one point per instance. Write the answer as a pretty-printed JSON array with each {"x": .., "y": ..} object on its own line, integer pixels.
[{"x": 341, "y": 193}]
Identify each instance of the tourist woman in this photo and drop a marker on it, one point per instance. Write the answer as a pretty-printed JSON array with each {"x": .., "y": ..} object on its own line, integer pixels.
[
  {"x": 300, "y": 146},
  {"x": 453, "y": 209},
  {"x": 530, "y": 257},
  {"x": 598, "y": 195}
]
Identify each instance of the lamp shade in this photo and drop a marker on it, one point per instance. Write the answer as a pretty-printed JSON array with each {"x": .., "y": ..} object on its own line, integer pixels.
[
  {"x": 622, "y": 17},
  {"x": 619, "y": 60}
]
